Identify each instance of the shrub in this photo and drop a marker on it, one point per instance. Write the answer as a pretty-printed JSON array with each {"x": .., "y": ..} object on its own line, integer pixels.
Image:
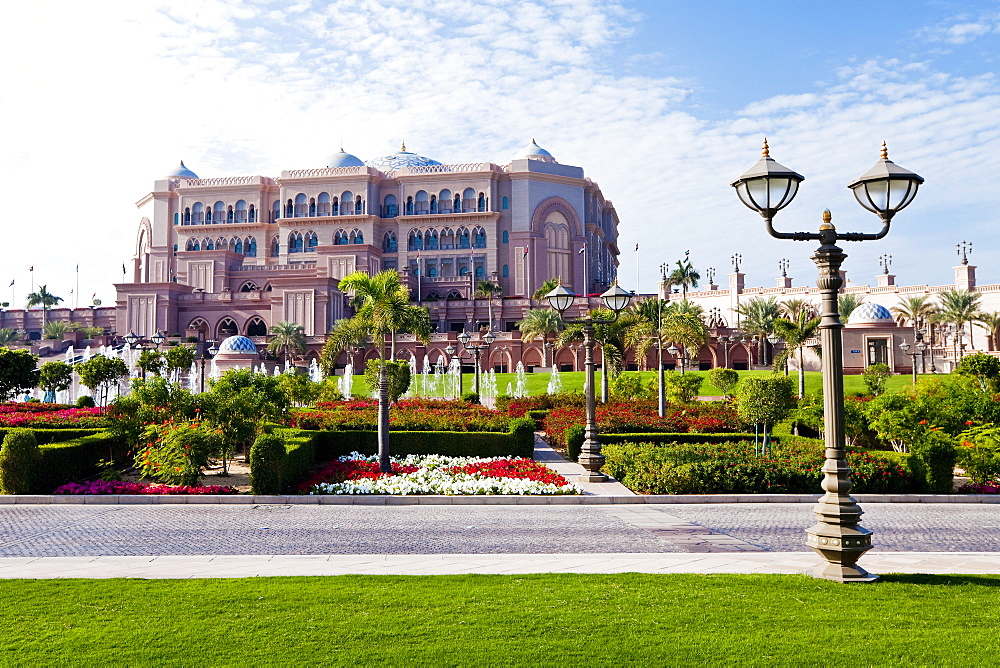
[
  {"x": 408, "y": 415},
  {"x": 17, "y": 371},
  {"x": 85, "y": 401},
  {"x": 983, "y": 367},
  {"x": 724, "y": 379},
  {"x": 398, "y": 374},
  {"x": 470, "y": 398},
  {"x": 979, "y": 453},
  {"x": 176, "y": 453},
  {"x": 764, "y": 401},
  {"x": 626, "y": 386},
  {"x": 682, "y": 387},
  {"x": 641, "y": 417},
  {"x": 19, "y": 462},
  {"x": 934, "y": 453},
  {"x": 575, "y": 436},
  {"x": 875, "y": 376},
  {"x": 266, "y": 459}
]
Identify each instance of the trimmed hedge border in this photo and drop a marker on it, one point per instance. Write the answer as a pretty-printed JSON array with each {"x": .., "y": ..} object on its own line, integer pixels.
[
  {"x": 575, "y": 437},
  {"x": 56, "y": 434}
]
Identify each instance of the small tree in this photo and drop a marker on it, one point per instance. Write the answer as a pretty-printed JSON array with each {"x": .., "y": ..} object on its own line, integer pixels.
[
  {"x": 875, "y": 377},
  {"x": 179, "y": 357},
  {"x": 99, "y": 373},
  {"x": 764, "y": 401},
  {"x": 724, "y": 379},
  {"x": 17, "y": 372},
  {"x": 57, "y": 329},
  {"x": 300, "y": 390},
  {"x": 55, "y": 377},
  {"x": 682, "y": 387},
  {"x": 984, "y": 368},
  {"x": 151, "y": 361}
]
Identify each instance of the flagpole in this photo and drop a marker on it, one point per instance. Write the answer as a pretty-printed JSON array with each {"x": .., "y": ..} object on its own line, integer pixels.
[
  {"x": 76, "y": 298},
  {"x": 637, "y": 269}
]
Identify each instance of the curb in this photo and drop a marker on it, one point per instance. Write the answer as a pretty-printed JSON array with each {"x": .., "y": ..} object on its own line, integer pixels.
[{"x": 470, "y": 500}]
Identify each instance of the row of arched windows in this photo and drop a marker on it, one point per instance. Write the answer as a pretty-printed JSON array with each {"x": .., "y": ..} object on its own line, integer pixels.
[
  {"x": 324, "y": 204},
  {"x": 227, "y": 327},
  {"x": 446, "y": 239},
  {"x": 219, "y": 213},
  {"x": 306, "y": 242},
  {"x": 242, "y": 246},
  {"x": 445, "y": 201}
]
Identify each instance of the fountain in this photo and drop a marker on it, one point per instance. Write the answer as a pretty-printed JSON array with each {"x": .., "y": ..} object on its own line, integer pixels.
[
  {"x": 555, "y": 382},
  {"x": 510, "y": 390},
  {"x": 315, "y": 373},
  {"x": 521, "y": 381},
  {"x": 425, "y": 378},
  {"x": 346, "y": 381},
  {"x": 454, "y": 376},
  {"x": 411, "y": 390},
  {"x": 193, "y": 378}
]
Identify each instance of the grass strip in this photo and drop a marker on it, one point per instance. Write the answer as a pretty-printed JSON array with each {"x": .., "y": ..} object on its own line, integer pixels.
[{"x": 555, "y": 619}]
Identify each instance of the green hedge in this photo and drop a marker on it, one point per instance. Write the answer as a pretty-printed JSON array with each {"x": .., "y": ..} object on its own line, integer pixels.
[
  {"x": 56, "y": 435},
  {"x": 575, "y": 436},
  {"x": 75, "y": 460},
  {"x": 538, "y": 416}
]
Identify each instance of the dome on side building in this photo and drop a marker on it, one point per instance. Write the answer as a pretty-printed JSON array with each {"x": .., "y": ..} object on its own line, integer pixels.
[
  {"x": 344, "y": 159},
  {"x": 871, "y": 314},
  {"x": 237, "y": 344},
  {"x": 181, "y": 172},
  {"x": 534, "y": 152}
]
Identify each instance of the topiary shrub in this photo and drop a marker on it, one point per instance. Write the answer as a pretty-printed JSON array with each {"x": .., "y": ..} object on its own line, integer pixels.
[
  {"x": 575, "y": 436},
  {"x": 85, "y": 401},
  {"x": 933, "y": 454},
  {"x": 266, "y": 462},
  {"x": 19, "y": 462},
  {"x": 523, "y": 431},
  {"x": 470, "y": 397}
]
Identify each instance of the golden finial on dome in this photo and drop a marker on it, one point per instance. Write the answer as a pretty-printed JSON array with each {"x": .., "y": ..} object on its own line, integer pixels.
[
  {"x": 766, "y": 152},
  {"x": 885, "y": 151},
  {"x": 403, "y": 147}
]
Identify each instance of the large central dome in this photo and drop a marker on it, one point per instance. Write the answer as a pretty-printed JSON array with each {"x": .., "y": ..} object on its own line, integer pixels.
[{"x": 400, "y": 159}]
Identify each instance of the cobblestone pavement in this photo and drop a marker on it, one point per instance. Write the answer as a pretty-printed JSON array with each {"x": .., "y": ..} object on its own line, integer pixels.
[{"x": 54, "y": 531}]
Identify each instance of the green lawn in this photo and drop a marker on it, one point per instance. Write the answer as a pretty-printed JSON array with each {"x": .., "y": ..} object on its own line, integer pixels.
[
  {"x": 536, "y": 383},
  {"x": 629, "y": 619}
]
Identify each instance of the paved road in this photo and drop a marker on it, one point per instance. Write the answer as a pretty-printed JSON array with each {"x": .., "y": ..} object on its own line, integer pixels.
[{"x": 54, "y": 531}]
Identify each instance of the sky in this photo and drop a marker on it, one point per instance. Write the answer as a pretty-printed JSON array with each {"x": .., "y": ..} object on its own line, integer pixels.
[{"x": 663, "y": 103}]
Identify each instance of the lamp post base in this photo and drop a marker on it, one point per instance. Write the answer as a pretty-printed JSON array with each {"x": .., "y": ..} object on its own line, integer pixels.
[
  {"x": 840, "y": 547},
  {"x": 590, "y": 476}
]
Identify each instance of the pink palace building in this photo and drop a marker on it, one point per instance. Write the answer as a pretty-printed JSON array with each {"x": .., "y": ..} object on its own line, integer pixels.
[{"x": 234, "y": 255}]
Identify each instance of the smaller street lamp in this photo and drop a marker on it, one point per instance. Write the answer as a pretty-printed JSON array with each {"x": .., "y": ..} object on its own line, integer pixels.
[
  {"x": 616, "y": 300},
  {"x": 206, "y": 354},
  {"x": 919, "y": 352},
  {"x": 477, "y": 350}
]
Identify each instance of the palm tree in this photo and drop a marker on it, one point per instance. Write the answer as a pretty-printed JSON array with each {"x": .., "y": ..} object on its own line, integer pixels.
[
  {"x": 685, "y": 275},
  {"x": 846, "y": 303},
  {"x": 959, "y": 307},
  {"x": 546, "y": 287},
  {"x": 791, "y": 308},
  {"x": 539, "y": 323},
  {"x": 9, "y": 336},
  {"x": 382, "y": 308},
  {"x": 795, "y": 333},
  {"x": 346, "y": 335},
  {"x": 759, "y": 315},
  {"x": 42, "y": 297},
  {"x": 489, "y": 289},
  {"x": 287, "y": 336},
  {"x": 991, "y": 323},
  {"x": 913, "y": 310}
]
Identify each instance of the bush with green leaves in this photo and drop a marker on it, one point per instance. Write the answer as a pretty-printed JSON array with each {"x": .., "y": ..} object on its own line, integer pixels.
[
  {"x": 978, "y": 453},
  {"x": 762, "y": 401},
  {"x": 176, "y": 453},
  {"x": 240, "y": 403},
  {"x": 17, "y": 372},
  {"x": 301, "y": 391},
  {"x": 151, "y": 361},
  {"x": 55, "y": 376},
  {"x": 85, "y": 401},
  {"x": 151, "y": 401},
  {"x": 267, "y": 455},
  {"x": 934, "y": 453},
  {"x": 627, "y": 386},
  {"x": 20, "y": 459},
  {"x": 179, "y": 357},
  {"x": 398, "y": 374},
  {"x": 682, "y": 387},
  {"x": 983, "y": 367},
  {"x": 875, "y": 377},
  {"x": 724, "y": 379},
  {"x": 100, "y": 373}
]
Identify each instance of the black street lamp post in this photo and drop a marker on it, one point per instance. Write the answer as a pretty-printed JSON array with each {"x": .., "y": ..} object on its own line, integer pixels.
[
  {"x": 920, "y": 347},
  {"x": 885, "y": 189},
  {"x": 477, "y": 350},
  {"x": 206, "y": 354},
  {"x": 616, "y": 301}
]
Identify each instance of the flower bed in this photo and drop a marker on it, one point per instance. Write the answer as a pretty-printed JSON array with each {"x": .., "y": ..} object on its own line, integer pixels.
[
  {"x": 52, "y": 416},
  {"x": 641, "y": 416},
  {"x": 123, "y": 487},
  {"x": 406, "y": 415},
  {"x": 434, "y": 474},
  {"x": 979, "y": 488}
]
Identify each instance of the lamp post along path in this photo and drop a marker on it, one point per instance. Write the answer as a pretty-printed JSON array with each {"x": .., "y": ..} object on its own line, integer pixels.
[
  {"x": 886, "y": 189},
  {"x": 616, "y": 300}
]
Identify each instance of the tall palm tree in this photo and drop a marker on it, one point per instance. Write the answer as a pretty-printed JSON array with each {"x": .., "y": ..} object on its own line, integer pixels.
[
  {"x": 791, "y": 308},
  {"x": 346, "y": 335},
  {"x": 287, "y": 336},
  {"x": 685, "y": 275},
  {"x": 846, "y": 303},
  {"x": 796, "y": 334},
  {"x": 539, "y": 323},
  {"x": 759, "y": 315},
  {"x": 959, "y": 307},
  {"x": 546, "y": 287},
  {"x": 489, "y": 289},
  {"x": 382, "y": 307},
  {"x": 42, "y": 297},
  {"x": 913, "y": 310},
  {"x": 991, "y": 323}
]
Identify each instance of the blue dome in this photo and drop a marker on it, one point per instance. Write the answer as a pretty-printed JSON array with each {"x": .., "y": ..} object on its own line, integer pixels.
[
  {"x": 400, "y": 159},
  {"x": 870, "y": 314},
  {"x": 181, "y": 172},
  {"x": 237, "y": 344},
  {"x": 342, "y": 159}
]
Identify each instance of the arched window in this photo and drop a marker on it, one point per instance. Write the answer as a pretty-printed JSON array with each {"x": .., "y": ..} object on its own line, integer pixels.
[
  {"x": 463, "y": 238},
  {"x": 252, "y": 217},
  {"x": 208, "y": 215},
  {"x": 357, "y": 236},
  {"x": 506, "y": 237},
  {"x": 432, "y": 271},
  {"x": 421, "y": 202},
  {"x": 347, "y": 203},
  {"x": 249, "y": 286},
  {"x": 256, "y": 327},
  {"x": 340, "y": 238},
  {"x": 187, "y": 215},
  {"x": 434, "y": 204},
  {"x": 199, "y": 325},
  {"x": 221, "y": 244},
  {"x": 311, "y": 242},
  {"x": 390, "y": 208},
  {"x": 454, "y": 294},
  {"x": 238, "y": 247},
  {"x": 463, "y": 270},
  {"x": 250, "y": 246},
  {"x": 227, "y": 327},
  {"x": 177, "y": 219},
  {"x": 433, "y": 295},
  {"x": 444, "y": 201},
  {"x": 198, "y": 214},
  {"x": 481, "y": 202},
  {"x": 301, "y": 206},
  {"x": 219, "y": 215},
  {"x": 505, "y": 203},
  {"x": 389, "y": 242},
  {"x": 409, "y": 206},
  {"x": 457, "y": 206},
  {"x": 506, "y": 271},
  {"x": 447, "y": 239},
  {"x": 336, "y": 206},
  {"x": 230, "y": 215},
  {"x": 480, "y": 272},
  {"x": 275, "y": 246},
  {"x": 359, "y": 205},
  {"x": 275, "y": 211},
  {"x": 295, "y": 242},
  {"x": 431, "y": 240},
  {"x": 468, "y": 200},
  {"x": 289, "y": 209},
  {"x": 479, "y": 238},
  {"x": 312, "y": 207},
  {"x": 415, "y": 241},
  {"x": 192, "y": 245},
  {"x": 208, "y": 245},
  {"x": 241, "y": 211},
  {"x": 323, "y": 204}
]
